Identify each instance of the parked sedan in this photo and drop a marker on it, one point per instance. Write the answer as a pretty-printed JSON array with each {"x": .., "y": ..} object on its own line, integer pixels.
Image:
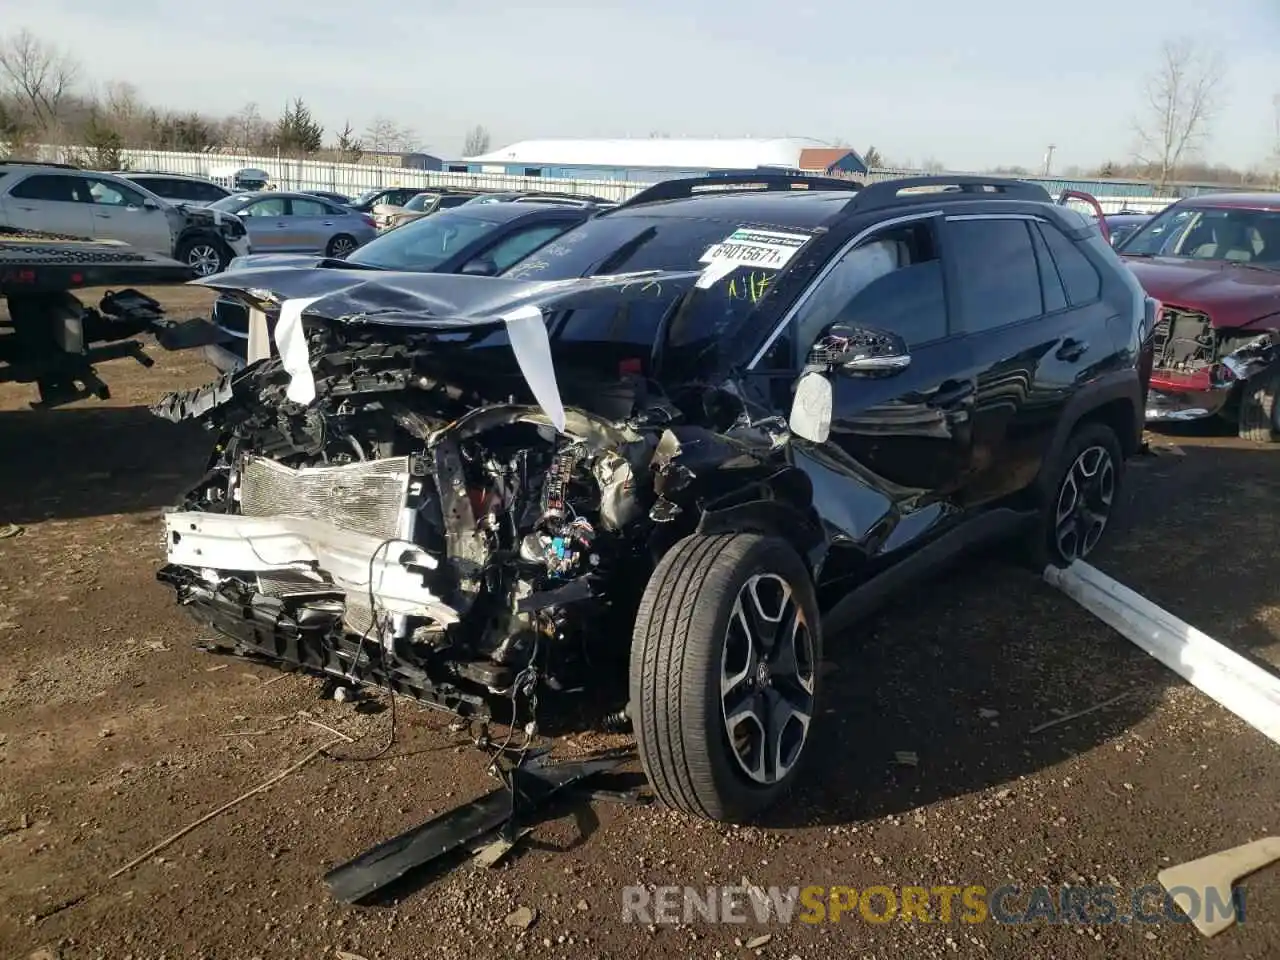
[
  {"x": 481, "y": 241},
  {"x": 298, "y": 223},
  {"x": 393, "y": 196},
  {"x": 421, "y": 205}
]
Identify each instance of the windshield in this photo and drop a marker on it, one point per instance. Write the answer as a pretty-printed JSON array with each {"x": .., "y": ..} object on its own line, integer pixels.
[
  {"x": 1209, "y": 233},
  {"x": 366, "y": 196},
  {"x": 420, "y": 201},
  {"x": 625, "y": 244},
  {"x": 1121, "y": 232},
  {"x": 422, "y": 245}
]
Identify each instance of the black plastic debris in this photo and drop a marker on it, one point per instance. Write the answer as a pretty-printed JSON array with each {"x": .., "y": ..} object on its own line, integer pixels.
[{"x": 530, "y": 785}]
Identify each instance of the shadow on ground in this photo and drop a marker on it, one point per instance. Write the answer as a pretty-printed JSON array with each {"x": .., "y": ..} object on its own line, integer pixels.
[
  {"x": 85, "y": 462},
  {"x": 956, "y": 673}
]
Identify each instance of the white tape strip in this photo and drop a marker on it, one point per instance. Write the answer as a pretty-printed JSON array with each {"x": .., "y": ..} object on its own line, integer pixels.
[
  {"x": 527, "y": 332},
  {"x": 291, "y": 341},
  {"x": 1244, "y": 688}
]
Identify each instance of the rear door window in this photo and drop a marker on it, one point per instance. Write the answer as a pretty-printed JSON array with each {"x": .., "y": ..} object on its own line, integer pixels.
[
  {"x": 1079, "y": 276},
  {"x": 997, "y": 272},
  {"x": 58, "y": 187}
]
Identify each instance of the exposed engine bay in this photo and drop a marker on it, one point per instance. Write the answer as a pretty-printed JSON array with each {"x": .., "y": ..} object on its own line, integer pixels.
[
  {"x": 404, "y": 529},
  {"x": 1186, "y": 342}
]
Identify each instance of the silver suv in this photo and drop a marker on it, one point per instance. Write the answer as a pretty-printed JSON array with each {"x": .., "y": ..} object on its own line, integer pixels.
[{"x": 63, "y": 199}]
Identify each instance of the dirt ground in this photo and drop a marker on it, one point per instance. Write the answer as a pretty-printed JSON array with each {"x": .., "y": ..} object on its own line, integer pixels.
[{"x": 115, "y": 732}]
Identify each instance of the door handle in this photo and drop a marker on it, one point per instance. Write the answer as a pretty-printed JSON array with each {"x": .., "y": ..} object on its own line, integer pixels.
[
  {"x": 952, "y": 392},
  {"x": 1071, "y": 350},
  {"x": 281, "y": 226},
  {"x": 327, "y": 223}
]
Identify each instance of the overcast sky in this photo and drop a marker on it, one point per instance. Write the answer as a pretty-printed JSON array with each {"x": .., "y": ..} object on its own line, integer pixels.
[{"x": 973, "y": 83}]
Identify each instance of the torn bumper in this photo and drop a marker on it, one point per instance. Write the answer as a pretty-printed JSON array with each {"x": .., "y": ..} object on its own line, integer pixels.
[
  {"x": 342, "y": 560},
  {"x": 1179, "y": 395}
]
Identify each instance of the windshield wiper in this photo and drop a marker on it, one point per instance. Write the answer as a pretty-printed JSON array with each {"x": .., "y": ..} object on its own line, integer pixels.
[{"x": 1265, "y": 267}]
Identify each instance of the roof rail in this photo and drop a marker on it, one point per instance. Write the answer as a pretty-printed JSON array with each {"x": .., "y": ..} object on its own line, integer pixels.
[
  {"x": 889, "y": 193},
  {"x": 37, "y": 163},
  {"x": 737, "y": 183}
]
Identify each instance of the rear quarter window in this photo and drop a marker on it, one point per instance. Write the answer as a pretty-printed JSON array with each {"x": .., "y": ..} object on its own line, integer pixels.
[{"x": 1079, "y": 276}]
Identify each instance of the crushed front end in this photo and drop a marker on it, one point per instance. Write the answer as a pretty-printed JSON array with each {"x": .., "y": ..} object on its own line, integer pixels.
[
  {"x": 412, "y": 520},
  {"x": 1199, "y": 369}
]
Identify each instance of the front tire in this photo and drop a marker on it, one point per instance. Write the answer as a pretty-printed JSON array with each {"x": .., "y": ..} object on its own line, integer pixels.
[
  {"x": 724, "y": 674},
  {"x": 203, "y": 255},
  {"x": 1080, "y": 504},
  {"x": 1259, "y": 411}
]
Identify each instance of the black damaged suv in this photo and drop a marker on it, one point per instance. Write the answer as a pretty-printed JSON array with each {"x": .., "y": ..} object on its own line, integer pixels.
[{"x": 701, "y": 431}]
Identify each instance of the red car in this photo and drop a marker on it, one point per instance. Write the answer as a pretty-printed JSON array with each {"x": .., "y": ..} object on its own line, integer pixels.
[{"x": 1213, "y": 262}]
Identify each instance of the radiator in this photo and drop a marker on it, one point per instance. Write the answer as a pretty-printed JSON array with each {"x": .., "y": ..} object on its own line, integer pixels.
[{"x": 365, "y": 497}]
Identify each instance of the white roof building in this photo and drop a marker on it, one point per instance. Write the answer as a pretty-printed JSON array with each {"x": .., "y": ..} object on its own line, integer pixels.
[{"x": 676, "y": 153}]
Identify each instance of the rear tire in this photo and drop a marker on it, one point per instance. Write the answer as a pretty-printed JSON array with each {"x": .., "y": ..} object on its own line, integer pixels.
[
  {"x": 1259, "y": 411},
  {"x": 341, "y": 246},
  {"x": 724, "y": 674},
  {"x": 1076, "y": 510}
]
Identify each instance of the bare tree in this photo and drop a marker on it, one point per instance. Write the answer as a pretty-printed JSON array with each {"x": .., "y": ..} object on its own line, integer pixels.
[
  {"x": 477, "y": 142},
  {"x": 932, "y": 165},
  {"x": 247, "y": 130},
  {"x": 406, "y": 140},
  {"x": 1181, "y": 98},
  {"x": 38, "y": 75},
  {"x": 381, "y": 135},
  {"x": 872, "y": 158}
]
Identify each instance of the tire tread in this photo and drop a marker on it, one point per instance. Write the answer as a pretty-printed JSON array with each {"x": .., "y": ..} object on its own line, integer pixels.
[
  {"x": 672, "y": 655},
  {"x": 1257, "y": 409}
]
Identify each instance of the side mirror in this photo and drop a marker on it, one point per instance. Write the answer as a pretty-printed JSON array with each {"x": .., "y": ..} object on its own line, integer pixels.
[
  {"x": 480, "y": 267},
  {"x": 858, "y": 351},
  {"x": 150, "y": 204},
  {"x": 811, "y": 408}
]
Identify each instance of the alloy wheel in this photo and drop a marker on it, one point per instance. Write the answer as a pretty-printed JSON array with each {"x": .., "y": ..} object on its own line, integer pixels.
[
  {"x": 767, "y": 678},
  {"x": 341, "y": 247},
  {"x": 1084, "y": 503},
  {"x": 204, "y": 259}
]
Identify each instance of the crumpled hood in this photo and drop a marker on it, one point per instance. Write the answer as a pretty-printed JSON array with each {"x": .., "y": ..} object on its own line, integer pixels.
[
  {"x": 435, "y": 302},
  {"x": 257, "y": 261},
  {"x": 1234, "y": 296}
]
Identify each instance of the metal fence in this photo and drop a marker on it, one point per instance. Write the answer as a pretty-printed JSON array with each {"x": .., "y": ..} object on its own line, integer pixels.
[
  {"x": 347, "y": 178},
  {"x": 355, "y": 178}
]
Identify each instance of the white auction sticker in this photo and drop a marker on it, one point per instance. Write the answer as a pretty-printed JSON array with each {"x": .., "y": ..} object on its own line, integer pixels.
[{"x": 746, "y": 247}]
